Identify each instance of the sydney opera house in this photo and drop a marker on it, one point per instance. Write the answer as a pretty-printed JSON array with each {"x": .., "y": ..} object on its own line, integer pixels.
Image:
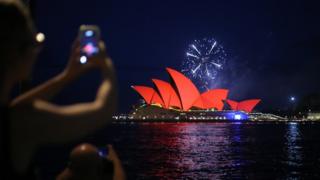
[{"x": 180, "y": 99}]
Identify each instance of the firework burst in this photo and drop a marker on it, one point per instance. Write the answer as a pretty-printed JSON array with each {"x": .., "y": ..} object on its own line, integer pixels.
[{"x": 203, "y": 61}]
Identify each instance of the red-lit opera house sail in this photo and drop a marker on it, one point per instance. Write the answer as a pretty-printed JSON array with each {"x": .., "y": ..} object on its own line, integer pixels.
[
  {"x": 187, "y": 91},
  {"x": 167, "y": 93},
  {"x": 233, "y": 104},
  {"x": 199, "y": 103},
  {"x": 212, "y": 99},
  {"x": 246, "y": 105},
  {"x": 156, "y": 99},
  {"x": 215, "y": 98},
  {"x": 148, "y": 94},
  {"x": 183, "y": 94}
]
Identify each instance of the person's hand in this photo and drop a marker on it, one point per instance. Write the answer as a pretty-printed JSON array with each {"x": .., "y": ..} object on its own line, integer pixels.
[
  {"x": 75, "y": 68},
  {"x": 112, "y": 155}
]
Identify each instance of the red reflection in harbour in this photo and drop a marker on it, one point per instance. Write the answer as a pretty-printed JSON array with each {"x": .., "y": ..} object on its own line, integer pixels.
[{"x": 184, "y": 148}]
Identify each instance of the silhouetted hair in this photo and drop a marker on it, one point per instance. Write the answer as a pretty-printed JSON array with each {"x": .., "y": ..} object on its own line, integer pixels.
[{"x": 16, "y": 29}]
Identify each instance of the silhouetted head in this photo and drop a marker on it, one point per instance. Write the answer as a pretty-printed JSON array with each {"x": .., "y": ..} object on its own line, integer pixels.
[
  {"x": 87, "y": 164},
  {"x": 18, "y": 42},
  {"x": 85, "y": 159}
]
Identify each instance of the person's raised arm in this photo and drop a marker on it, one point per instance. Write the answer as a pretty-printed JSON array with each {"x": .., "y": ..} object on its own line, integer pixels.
[
  {"x": 119, "y": 173},
  {"x": 53, "y": 86},
  {"x": 46, "y": 123},
  {"x": 64, "y": 123}
]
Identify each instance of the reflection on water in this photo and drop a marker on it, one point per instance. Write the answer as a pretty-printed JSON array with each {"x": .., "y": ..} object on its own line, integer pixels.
[
  {"x": 293, "y": 147},
  {"x": 215, "y": 150},
  {"x": 220, "y": 150},
  {"x": 202, "y": 151}
]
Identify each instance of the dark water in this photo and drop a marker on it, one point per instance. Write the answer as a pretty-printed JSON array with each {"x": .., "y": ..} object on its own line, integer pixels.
[{"x": 207, "y": 150}]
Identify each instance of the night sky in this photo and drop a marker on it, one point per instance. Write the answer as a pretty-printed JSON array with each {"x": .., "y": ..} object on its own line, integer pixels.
[{"x": 273, "y": 46}]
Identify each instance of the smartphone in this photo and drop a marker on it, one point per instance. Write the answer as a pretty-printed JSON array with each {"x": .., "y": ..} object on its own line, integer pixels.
[
  {"x": 89, "y": 36},
  {"x": 103, "y": 151}
]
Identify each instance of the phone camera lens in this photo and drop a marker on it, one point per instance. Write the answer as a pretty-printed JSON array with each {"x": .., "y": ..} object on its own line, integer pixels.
[{"x": 83, "y": 59}]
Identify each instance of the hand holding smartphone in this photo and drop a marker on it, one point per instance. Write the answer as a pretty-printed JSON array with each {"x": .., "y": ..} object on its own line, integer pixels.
[
  {"x": 89, "y": 36},
  {"x": 103, "y": 151}
]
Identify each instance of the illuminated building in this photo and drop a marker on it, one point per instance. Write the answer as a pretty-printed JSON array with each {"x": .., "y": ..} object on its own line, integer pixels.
[
  {"x": 313, "y": 116},
  {"x": 182, "y": 96}
]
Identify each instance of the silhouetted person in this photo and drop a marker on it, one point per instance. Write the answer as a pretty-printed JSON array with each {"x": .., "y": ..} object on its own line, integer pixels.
[
  {"x": 87, "y": 164},
  {"x": 30, "y": 120}
]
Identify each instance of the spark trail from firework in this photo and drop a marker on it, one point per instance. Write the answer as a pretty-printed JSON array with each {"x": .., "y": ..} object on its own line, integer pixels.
[{"x": 204, "y": 59}]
